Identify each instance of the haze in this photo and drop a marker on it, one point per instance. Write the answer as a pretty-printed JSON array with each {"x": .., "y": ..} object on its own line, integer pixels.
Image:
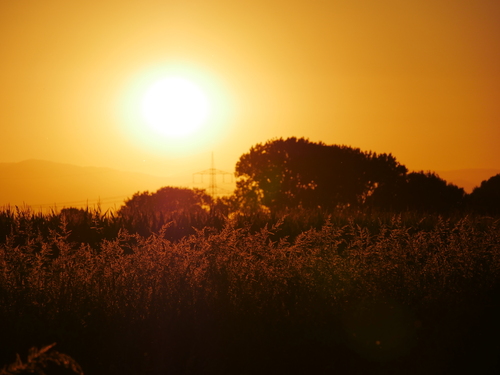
[{"x": 419, "y": 79}]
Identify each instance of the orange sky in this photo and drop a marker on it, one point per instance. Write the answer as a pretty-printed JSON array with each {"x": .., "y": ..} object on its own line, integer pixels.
[{"x": 417, "y": 78}]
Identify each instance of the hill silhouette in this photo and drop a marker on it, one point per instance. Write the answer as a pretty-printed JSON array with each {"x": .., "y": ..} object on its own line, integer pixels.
[{"x": 44, "y": 184}]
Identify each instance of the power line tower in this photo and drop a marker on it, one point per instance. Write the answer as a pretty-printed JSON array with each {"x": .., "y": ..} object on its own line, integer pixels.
[{"x": 212, "y": 173}]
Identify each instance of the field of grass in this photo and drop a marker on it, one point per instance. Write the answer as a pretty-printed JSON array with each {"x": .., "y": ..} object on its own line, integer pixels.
[{"x": 361, "y": 295}]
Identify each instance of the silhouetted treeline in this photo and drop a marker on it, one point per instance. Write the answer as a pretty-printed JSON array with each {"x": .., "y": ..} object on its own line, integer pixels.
[
  {"x": 295, "y": 181},
  {"x": 299, "y": 173}
]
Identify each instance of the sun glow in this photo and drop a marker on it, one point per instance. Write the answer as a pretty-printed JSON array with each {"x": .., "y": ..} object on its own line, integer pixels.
[{"x": 175, "y": 107}]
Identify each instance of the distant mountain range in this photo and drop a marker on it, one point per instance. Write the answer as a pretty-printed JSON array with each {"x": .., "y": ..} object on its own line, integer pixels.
[{"x": 44, "y": 185}]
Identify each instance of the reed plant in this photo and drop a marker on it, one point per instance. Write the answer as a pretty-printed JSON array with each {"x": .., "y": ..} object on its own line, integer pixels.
[{"x": 360, "y": 293}]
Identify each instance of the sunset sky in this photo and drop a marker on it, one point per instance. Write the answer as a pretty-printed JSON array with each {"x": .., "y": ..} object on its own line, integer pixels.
[{"x": 417, "y": 78}]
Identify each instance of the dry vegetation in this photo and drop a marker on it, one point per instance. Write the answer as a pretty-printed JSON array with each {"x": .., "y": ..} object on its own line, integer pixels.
[{"x": 400, "y": 294}]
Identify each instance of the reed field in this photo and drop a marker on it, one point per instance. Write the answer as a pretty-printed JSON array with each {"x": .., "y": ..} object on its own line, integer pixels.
[{"x": 295, "y": 293}]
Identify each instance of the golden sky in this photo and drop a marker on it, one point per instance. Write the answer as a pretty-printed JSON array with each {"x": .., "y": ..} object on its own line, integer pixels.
[{"x": 417, "y": 78}]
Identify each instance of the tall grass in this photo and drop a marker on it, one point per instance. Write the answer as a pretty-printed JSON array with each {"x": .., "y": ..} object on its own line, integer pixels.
[{"x": 367, "y": 294}]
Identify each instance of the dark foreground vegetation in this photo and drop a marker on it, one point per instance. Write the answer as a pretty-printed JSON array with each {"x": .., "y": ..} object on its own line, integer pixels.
[
  {"x": 326, "y": 260},
  {"x": 356, "y": 293}
]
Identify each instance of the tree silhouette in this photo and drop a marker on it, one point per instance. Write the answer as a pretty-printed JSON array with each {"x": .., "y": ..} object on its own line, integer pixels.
[
  {"x": 427, "y": 192},
  {"x": 486, "y": 198},
  {"x": 298, "y": 173},
  {"x": 387, "y": 182},
  {"x": 166, "y": 199},
  {"x": 147, "y": 212}
]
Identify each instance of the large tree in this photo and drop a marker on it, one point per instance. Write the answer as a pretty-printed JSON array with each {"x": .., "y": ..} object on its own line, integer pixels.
[{"x": 285, "y": 173}]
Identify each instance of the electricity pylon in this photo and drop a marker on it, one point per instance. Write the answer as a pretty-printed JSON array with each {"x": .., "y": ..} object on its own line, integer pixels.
[{"x": 212, "y": 173}]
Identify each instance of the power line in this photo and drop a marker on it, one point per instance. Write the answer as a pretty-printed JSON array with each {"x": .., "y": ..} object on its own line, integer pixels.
[
  {"x": 119, "y": 199},
  {"x": 212, "y": 173}
]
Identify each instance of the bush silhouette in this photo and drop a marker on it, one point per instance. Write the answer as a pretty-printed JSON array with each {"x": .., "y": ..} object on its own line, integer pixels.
[
  {"x": 486, "y": 198},
  {"x": 146, "y": 213},
  {"x": 427, "y": 192}
]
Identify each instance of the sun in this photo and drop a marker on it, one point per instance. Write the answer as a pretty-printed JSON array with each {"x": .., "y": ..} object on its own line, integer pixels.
[{"x": 175, "y": 107}]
